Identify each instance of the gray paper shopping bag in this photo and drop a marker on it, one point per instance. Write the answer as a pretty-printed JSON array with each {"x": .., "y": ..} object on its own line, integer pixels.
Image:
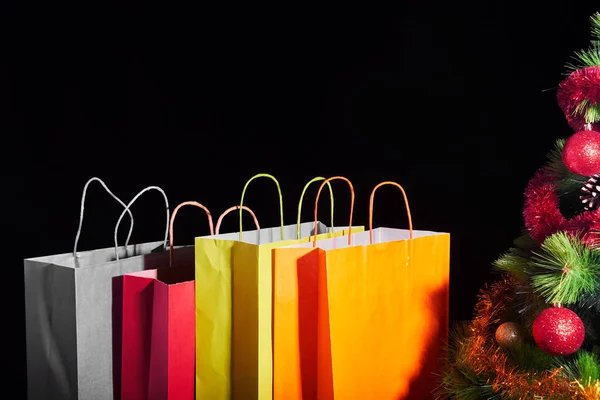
[{"x": 68, "y": 305}]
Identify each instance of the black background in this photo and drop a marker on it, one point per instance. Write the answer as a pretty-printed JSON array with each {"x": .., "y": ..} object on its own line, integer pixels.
[{"x": 446, "y": 98}]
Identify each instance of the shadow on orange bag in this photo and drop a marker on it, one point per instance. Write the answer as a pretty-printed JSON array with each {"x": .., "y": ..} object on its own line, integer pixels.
[{"x": 363, "y": 316}]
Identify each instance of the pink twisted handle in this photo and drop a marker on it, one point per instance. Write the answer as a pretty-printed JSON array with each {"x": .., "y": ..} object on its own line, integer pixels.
[
  {"x": 372, "y": 202},
  {"x": 186, "y": 203},
  {"x": 234, "y": 208}
]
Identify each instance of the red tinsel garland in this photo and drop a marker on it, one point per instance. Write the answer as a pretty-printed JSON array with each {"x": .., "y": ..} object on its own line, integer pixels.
[
  {"x": 541, "y": 211},
  {"x": 542, "y": 216},
  {"x": 581, "y": 85}
]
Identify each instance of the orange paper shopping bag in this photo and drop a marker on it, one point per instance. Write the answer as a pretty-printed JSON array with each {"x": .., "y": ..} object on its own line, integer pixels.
[
  {"x": 288, "y": 290},
  {"x": 381, "y": 300}
]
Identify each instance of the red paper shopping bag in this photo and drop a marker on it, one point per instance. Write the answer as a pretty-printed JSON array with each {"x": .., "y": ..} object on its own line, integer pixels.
[{"x": 158, "y": 330}]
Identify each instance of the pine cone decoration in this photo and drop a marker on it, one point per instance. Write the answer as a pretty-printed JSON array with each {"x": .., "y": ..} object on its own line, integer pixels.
[{"x": 591, "y": 193}]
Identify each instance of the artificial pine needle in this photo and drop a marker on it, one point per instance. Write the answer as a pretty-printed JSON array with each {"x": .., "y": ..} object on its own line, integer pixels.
[
  {"x": 513, "y": 264},
  {"x": 591, "y": 56},
  {"x": 584, "y": 367},
  {"x": 529, "y": 357},
  {"x": 564, "y": 270},
  {"x": 525, "y": 242},
  {"x": 587, "y": 58},
  {"x": 592, "y": 113},
  {"x": 567, "y": 181},
  {"x": 460, "y": 382},
  {"x": 595, "y": 19}
]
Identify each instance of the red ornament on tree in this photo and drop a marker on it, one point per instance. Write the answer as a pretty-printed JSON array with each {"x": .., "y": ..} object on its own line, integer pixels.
[
  {"x": 558, "y": 331},
  {"x": 581, "y": 153}
]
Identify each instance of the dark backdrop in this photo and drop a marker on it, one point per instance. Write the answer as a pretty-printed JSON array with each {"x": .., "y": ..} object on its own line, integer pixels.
[{"x": 447, "y": 98}]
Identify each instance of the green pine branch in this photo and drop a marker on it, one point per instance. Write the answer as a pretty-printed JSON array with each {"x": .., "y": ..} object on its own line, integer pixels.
[
  {"x": 459, "y": 381},
  {"x": 584, "y": 367},
  {"x": 527, "y": 304},
  {"x": 566, "y": 181},
  {"x": 464, "y": 384},
  {"x": 591, "y": 56},
  {"x": 530, "y": 358},
  {"x": 592, "y": 114},
  {"x": 525, "y": 242},
  {"x": 512, "y": 262},
  {"x": 595, "y": 19},
  {"x": 585, "y": 58},
  {"x": 515, "y": 261},
  {"x": 589, "y": 304},
  {"x": 564, "y": 270}
]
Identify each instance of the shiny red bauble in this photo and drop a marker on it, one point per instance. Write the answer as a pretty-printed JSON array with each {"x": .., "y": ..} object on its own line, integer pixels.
[
  {"x": 558, "y": 331},
  {"x": 581, "y": 153}
]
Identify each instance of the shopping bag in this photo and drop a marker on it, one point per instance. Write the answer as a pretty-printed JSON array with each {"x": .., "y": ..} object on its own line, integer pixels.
[
  {"x": 292, "y": 304},
  {"x": 158, "y": 329},
  {"x": 233, "y": 308},
  {"x": 153, "y": 265},
  {"x": 382, "y": 310},
  {"x": 68, "y": 307}
]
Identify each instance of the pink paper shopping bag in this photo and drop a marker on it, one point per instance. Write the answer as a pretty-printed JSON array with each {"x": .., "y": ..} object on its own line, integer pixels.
[{"x": 158, "y": 331}]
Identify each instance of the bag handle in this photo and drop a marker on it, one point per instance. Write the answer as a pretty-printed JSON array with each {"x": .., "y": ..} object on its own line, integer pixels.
[
  {"x": 233, "y": 209},
  {"x": 101, "y": 182},
  {"x": 351, "y": 206},
  {"x": 171, "y": 223},
  {"x": 127, "y": 209},
  {"x": 371, "y": 201},
  {"x": 280, "y": 200},
  {"x": 318, "y": 178}
]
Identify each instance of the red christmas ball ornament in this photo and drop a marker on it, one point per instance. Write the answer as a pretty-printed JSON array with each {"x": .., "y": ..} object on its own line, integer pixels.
[
  {"x": 558, "y": 331},
  {"x": 581, "y": 153}
]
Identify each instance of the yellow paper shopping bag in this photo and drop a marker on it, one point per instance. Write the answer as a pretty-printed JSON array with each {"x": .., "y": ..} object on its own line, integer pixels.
[
  {"x": 233, "y": 307},
  {"x": 382, "y": 313}
]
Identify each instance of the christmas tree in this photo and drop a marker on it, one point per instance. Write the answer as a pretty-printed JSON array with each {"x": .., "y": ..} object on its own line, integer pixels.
[{"x": 535, "y": 333}]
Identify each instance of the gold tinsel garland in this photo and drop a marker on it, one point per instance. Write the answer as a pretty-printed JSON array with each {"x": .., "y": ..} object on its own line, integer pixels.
[{"x": 484, "y": 356}]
